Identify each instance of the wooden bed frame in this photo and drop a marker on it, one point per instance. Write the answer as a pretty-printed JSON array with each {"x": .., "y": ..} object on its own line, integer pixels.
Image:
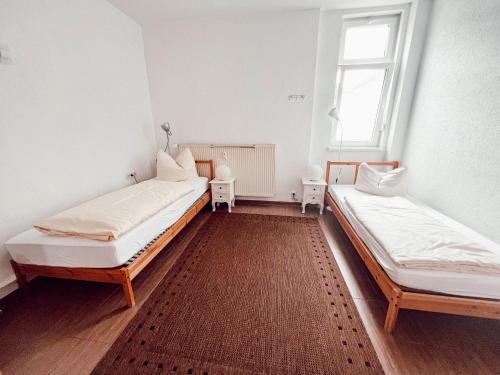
[
  {"x": 123, "y": 274},
  {"x": 400, "y": 297}
]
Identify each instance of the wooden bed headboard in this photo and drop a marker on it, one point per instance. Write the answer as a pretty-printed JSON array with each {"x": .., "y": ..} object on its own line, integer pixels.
[
  {"x": 206, "y": 168},
  {"x": 329, "y": 163}
]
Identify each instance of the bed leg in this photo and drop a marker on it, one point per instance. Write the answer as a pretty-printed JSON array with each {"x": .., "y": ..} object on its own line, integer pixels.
[
  {"x": 22, "y": 281},
  {"x": 127, "y": 289},
  {"x": 392, "y": 312}
]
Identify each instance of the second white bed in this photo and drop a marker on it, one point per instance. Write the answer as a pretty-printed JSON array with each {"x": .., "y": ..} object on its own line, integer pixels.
[
  {"x": 33, "y": 247},
  {"x": 455, "y": 283}
]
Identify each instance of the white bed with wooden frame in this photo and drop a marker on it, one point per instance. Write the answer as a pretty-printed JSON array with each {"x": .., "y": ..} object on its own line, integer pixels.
[
  {"x": 125, "y": 273},
  {"x": 400, "y": 297}
]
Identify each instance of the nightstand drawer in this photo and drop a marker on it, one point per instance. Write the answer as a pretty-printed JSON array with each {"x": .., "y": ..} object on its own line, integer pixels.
[
  {"x": 312, "y": 189},
  {"x": 311, "y": 198},
  {"x": 221, "y": 188},
  {"x": 222, "y": 197}
]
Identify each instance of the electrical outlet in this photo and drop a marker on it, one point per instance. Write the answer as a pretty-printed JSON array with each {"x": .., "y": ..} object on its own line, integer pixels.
[
  {"x": 133, "y": 176},
  {"x": 294, "y": 195}
]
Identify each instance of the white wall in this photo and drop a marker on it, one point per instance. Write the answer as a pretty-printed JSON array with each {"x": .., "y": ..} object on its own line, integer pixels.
[
  {"x": 227, "y": 80},
  {"x": 453, "y": 144},
  {"x": 75, "y": 113},
  {"x": 418, "y": 19}
]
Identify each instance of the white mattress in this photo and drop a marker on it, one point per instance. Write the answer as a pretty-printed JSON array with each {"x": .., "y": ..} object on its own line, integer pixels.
[
  {"x": 455, "y": 283},
  {"x": 34, "y": 247}
]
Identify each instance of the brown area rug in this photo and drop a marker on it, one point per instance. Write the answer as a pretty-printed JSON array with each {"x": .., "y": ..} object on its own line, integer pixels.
[{"x": 250, "y": 294}]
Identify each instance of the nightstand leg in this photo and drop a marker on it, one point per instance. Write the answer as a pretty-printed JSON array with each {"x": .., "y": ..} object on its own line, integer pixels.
[
  {"x": 213, "y": 206},
  {"x": 229, "y": 206},
  {"x": 321, "y": 208},
  {"x": 303, "y": 208},
  {"x": 234, "y": 202}
]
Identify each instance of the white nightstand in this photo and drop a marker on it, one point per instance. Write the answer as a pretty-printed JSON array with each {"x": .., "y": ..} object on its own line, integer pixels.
[
  {"x": 314, "y": 193},
  {"x": 222, "y": 192}
]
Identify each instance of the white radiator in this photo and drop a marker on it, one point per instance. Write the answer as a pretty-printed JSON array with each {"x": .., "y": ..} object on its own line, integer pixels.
[{"x": 252, "y": 165}]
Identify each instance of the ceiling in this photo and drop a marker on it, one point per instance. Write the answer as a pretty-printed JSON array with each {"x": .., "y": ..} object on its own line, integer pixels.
[{"x": 149, "y": 11}]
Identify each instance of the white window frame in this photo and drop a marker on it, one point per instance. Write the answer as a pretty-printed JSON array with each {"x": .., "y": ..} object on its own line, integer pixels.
[{"x": 397, "y": 20}]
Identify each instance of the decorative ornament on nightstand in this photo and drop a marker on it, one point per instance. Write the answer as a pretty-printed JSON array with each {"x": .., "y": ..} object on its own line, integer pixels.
[
  {"x": 223, "y": 172},
  {"x": 314, "y": 172}
]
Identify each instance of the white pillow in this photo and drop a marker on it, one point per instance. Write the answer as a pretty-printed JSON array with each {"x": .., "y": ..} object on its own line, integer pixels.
[
  {"x": 379, "y": 183},
  {"x": 180, "y": 169}
]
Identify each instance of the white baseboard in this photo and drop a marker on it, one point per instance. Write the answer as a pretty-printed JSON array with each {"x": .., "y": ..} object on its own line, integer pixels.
[{"x": 8, "y": 288}]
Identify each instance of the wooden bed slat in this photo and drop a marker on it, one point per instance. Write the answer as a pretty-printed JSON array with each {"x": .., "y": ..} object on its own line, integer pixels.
[
  {"x": 396, "y": 295},
  {"x": 485, "y": 308}
]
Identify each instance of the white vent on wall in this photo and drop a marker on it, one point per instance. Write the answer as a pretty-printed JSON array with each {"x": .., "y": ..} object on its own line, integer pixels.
[{"x": 252, "y": 165}]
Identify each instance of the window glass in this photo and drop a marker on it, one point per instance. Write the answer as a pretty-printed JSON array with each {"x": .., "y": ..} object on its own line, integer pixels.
[
  {"x": 361, "y": 94},
  {"x": 366, "y": 41}
]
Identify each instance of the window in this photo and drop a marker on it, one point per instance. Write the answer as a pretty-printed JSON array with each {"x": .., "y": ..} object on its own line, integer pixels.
[{"x": 365, "y": 79}]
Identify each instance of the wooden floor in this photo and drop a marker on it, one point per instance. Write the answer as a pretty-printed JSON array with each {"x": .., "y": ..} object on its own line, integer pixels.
[{"x": 64, "y": 327}]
